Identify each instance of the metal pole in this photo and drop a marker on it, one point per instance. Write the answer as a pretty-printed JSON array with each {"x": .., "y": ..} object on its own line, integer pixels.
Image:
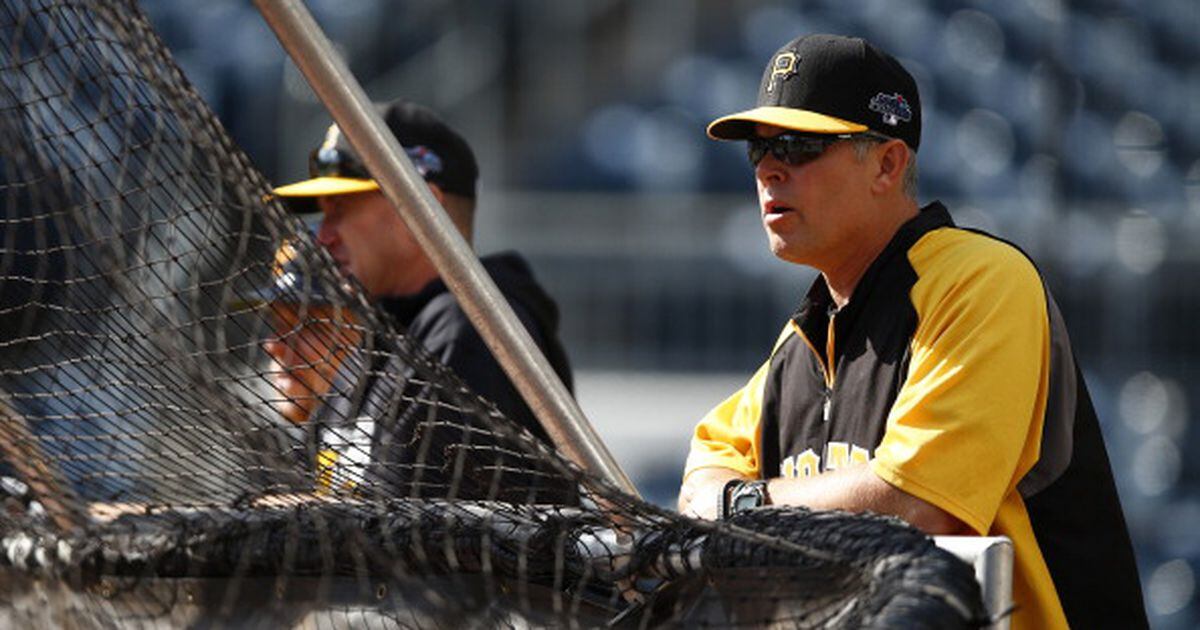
[
  {"x": 487, "y": 309},
  {"x": 992, "y": 557}
]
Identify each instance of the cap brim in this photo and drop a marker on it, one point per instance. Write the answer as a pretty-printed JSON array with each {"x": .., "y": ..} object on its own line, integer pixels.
[
  {"x": 323, "y": 186},
  {"x": 301, "y": 197},
  {"x": 740, "y": 126}
]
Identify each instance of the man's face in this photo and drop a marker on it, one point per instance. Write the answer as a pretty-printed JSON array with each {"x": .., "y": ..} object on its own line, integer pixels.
[
  {"x": 306, "y": 350},
  {"x": 370, "y": 241},
  {"x": 814, "y": 212}
]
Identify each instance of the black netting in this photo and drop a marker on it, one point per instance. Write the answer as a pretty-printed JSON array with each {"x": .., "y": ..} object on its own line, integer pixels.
[{"x": 157, "y": 471}]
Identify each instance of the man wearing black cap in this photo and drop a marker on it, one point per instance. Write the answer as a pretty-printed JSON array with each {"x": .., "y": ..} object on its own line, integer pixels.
[
  {"x": 311, "y": 336},
  {"x": 927, "y": 373},
  {"x": 370, "y": 242}
]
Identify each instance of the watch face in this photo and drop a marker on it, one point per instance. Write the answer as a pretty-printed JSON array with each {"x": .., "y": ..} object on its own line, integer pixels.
[
  {"x": 748, "y": 496},
  {"x": 744, "y": 502}
]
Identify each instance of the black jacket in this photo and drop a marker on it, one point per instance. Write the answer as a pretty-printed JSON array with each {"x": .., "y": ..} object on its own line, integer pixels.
[
  {"x": 434, "y": 317},
  {"x": 397, "y": 423}
]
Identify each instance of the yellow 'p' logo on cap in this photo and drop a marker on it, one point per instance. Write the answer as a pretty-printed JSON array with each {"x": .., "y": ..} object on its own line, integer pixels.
[
  {"x": 782, "y": 67},
  {"x": 331, "y": 138}
]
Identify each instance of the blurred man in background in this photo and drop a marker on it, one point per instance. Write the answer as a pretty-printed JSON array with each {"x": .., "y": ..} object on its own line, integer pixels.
[
  {"x": 927, "y": 373},
  {"x": 313, "y": 335},
  {"x": 370, "y": 242}
]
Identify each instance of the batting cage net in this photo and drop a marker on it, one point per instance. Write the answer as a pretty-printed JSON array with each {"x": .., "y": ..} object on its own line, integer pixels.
[{"x": 203, "y": 423}]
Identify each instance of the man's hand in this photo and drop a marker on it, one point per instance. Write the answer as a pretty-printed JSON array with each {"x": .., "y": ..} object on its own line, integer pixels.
[{"x": 700, "y": 494}]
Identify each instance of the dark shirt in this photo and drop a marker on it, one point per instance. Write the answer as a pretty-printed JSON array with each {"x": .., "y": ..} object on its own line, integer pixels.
[
  {"x": 425, "y": 436},
  {"x": 434, "y": 317}
]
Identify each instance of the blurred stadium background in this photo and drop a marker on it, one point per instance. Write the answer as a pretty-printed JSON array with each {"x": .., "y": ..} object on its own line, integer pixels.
[{"x": 1071, "y": 128}]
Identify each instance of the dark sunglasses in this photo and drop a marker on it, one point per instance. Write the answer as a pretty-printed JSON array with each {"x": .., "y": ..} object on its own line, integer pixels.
[
  {"x": 333, "y": 162},
  {"x": 796, "y": 149}
]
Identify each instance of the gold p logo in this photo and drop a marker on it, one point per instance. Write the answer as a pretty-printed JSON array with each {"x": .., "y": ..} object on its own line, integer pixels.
[
  {"x": 782, "y": 67},
  {"x": 331, "y": 137}
]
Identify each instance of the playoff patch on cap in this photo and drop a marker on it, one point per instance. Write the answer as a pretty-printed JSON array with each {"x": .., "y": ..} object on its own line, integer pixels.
[{"x": 831, "y": 84}]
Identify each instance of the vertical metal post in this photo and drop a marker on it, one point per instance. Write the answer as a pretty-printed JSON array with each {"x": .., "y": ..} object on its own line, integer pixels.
[
  {"x": 992, "y": 557},
  {"x": 487, "y": 309}
]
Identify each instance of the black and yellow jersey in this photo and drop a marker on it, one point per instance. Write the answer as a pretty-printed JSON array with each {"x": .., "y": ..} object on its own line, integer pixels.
[{"x": 950, "y": 372}]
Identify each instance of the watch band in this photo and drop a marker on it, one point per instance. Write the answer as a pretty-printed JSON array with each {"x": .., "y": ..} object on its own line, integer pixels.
[
  {"x": 723, "y": 499},
  {"x": 739, "y": 495},
  {"x": 747, "y": 496}
]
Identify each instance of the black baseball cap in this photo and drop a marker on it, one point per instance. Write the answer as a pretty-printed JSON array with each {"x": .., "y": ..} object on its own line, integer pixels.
[
  {"x": 438, "y": 152},
  {"x": 830, "y": 84}
]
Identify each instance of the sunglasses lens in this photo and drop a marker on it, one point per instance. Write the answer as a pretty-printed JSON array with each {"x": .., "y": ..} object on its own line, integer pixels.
[
  {"x": 756, "y": 150},
  {"x": 794, "y": 150},
  {"x": 787, "y": 148},
  {"x": 324, "y": 162},
  {"x": 331, "y": 162}
]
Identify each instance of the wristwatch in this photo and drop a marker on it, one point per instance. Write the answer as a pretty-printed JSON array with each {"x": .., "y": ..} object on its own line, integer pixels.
[{"x": 740, "y": 495}]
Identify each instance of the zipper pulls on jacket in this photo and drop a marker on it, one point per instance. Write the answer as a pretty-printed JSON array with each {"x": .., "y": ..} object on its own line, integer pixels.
[
  {"x": 831, "y": 362},
  {"x": 826, "y": 362},
  {"x": 830, "y": 357}
]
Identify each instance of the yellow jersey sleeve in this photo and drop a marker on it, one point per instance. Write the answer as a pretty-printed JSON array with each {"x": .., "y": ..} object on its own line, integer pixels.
[
  {"x": 729, "y": 436},
  {"x": 966, "y": 424}
]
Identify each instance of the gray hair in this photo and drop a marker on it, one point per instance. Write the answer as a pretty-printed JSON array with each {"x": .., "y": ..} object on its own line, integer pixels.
[{"x": 863, "y": 143}]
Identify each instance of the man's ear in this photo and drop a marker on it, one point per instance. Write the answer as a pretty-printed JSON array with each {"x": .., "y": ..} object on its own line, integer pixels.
[
  {"x": 458, "y": 208},
  {"x": 438, "y": 193},
  {"x": 893, "y": 161}
]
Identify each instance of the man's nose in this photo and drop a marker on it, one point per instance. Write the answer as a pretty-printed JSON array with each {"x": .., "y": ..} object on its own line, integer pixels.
[
  {"x": 326, "y": 232},
  {"x": 770, "y": 169},
  {"x": 327, "y": 228}
]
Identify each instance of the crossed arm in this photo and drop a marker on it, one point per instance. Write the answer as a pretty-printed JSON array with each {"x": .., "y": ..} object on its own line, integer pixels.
[{"x": 854, "y": 488}]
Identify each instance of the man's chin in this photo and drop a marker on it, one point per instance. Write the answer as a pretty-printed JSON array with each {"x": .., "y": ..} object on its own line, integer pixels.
[
  {"x": 787, "y": 253},
  {"x": 291, "y": 398},
  {"x": 290, "y": 411}
]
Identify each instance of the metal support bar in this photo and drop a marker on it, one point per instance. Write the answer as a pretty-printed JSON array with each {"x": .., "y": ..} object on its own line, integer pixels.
[
  {"x": 487, "y": 309},
  {"x": 992, "y": 557}
]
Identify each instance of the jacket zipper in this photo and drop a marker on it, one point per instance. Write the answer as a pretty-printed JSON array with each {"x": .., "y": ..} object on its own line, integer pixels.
[
  {"x": 827, "y": 412},
  {"x": 826, "y": 361}
]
